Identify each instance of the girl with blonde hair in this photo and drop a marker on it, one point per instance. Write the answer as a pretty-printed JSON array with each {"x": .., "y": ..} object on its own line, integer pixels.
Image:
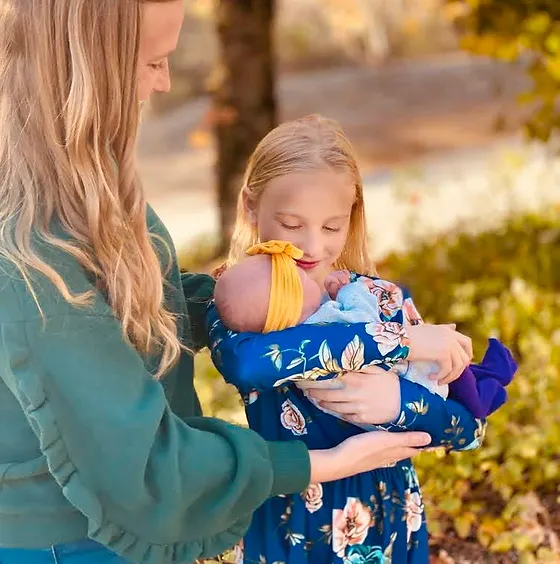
[
  {"x": 303, "y": 188},
  {"x": 104, "y": 455}
]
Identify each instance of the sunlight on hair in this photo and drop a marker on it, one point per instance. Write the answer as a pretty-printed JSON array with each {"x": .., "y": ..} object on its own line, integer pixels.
[{"x": 69, "y": 117}]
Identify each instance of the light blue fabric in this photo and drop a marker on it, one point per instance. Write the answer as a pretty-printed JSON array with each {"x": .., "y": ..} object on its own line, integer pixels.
[
  {"x": 355, "y": 303},
  {"x": 82, "y": 552}
]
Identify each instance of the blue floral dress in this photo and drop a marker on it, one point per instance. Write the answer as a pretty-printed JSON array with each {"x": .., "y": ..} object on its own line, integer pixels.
[{"x": 373, "y": 517}]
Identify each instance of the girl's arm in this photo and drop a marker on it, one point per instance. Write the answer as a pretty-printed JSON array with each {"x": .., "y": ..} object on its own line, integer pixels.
[
  {"x": 377, "y": 399},
  {"x": 263, "y": 361},
  {"x": 449, "y": 423}
]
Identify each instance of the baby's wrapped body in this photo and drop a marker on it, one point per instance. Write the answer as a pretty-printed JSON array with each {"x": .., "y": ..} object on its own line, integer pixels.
[
  {"x": 359, "y": 302},
  {"x": 481, "y": 388}
]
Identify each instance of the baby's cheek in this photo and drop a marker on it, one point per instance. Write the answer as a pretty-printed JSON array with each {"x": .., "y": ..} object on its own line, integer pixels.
[{"x": 312, "y": 299}]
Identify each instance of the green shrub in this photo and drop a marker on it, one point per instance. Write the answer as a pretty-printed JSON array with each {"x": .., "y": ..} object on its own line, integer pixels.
[{"x": 504, "y": 283}]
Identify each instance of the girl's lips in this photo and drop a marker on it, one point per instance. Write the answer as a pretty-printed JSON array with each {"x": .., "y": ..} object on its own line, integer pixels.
[{"x": 306, "y": 265}]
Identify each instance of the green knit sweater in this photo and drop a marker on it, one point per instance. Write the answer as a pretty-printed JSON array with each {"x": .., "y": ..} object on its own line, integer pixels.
[{"x": 91, "y": 445}]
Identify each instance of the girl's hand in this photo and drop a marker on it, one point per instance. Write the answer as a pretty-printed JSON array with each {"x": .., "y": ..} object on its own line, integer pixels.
[
  {"x": 441, "y": 344},
  {"x": 363, "y": 453},
  {"x": 372, "y": 396}
]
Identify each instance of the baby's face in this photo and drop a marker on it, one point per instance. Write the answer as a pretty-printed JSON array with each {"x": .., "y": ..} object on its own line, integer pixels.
[{"x": 312, "y": 295}]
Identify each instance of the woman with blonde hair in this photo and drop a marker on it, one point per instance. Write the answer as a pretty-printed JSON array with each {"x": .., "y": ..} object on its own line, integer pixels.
[{"x": 104, "y": 456}]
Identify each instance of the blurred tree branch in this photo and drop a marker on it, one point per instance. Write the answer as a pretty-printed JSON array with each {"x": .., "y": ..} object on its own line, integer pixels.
[{"x": 513, "y": 30}]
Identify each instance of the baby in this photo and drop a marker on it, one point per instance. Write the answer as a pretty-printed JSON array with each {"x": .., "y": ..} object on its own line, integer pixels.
[
  {"x": 357, "y": 302},
  {"x": 267, "y": 291}
]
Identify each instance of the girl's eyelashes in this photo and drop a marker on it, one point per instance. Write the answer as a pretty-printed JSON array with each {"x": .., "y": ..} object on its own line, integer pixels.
[
  {"x": 296, "y": 227},
  {"x": 157, "y": 66}
]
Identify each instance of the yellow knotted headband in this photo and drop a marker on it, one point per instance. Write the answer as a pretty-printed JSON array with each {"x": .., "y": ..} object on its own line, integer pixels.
[{"x": 286, "y": 290}]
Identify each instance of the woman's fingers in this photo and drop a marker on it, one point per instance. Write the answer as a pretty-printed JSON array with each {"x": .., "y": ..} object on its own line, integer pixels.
[
  {"x": 455, "y": 365},
  {"x": 388, "y": 448},
  {"x": 458, "y": 364},
  {"x": 401, "y": 446},
  {"x": 403, "y": 454},
  {"x": 372, "y": 397},
  {"x": 365, "y": 452},
  {"x": 466, "y": 359},
  {"x": 454, "y": 359},
  {"x": 409, "y": 439},
  {"x": 463, "y": 340}
]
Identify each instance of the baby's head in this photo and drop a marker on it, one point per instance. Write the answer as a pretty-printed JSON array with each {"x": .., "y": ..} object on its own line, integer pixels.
[{"x": 242, "y": 294}]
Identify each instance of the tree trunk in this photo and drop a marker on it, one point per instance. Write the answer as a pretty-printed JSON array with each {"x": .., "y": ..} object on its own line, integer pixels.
[{"x": 244, "y": 101}]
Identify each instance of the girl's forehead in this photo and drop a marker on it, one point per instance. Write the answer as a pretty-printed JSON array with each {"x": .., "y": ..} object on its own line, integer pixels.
[{"x": 317, "y": 188}]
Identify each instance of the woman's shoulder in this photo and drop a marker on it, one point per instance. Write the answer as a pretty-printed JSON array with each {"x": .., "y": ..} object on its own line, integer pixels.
[
  {"x": 27, "y": 295},
  {"x": 157, "y": 227}
]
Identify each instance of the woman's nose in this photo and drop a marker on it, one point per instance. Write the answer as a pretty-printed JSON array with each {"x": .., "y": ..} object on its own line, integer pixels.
[{"x": 164, "y": 81}]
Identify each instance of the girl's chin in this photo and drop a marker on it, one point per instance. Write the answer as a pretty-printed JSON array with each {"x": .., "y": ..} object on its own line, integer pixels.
[{"x": 319, "y": 273}]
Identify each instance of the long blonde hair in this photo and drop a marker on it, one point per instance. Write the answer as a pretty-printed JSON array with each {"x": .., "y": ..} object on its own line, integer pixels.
[
  {"x": 309, "y": 143},
  {"x": 69, "y": 116}
]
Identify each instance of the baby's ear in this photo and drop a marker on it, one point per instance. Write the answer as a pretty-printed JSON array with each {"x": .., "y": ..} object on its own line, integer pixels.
[{"x": 250, "y": 207}]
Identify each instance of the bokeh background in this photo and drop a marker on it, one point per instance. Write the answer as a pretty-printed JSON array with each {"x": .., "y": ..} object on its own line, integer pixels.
[{"x": 452, "y": 108}]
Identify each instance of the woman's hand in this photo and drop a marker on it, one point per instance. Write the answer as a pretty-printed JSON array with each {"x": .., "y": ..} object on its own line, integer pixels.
[
  {"x": 372, "y": 396},
  {"x": 441, "y": 344},
  {"x": 365, "y": 452}
]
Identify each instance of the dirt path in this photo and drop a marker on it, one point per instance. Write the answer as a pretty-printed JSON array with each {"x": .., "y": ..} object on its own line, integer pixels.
[
  {"x": 396, "y": 115},
  {"x": 392, "y": 114}
]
